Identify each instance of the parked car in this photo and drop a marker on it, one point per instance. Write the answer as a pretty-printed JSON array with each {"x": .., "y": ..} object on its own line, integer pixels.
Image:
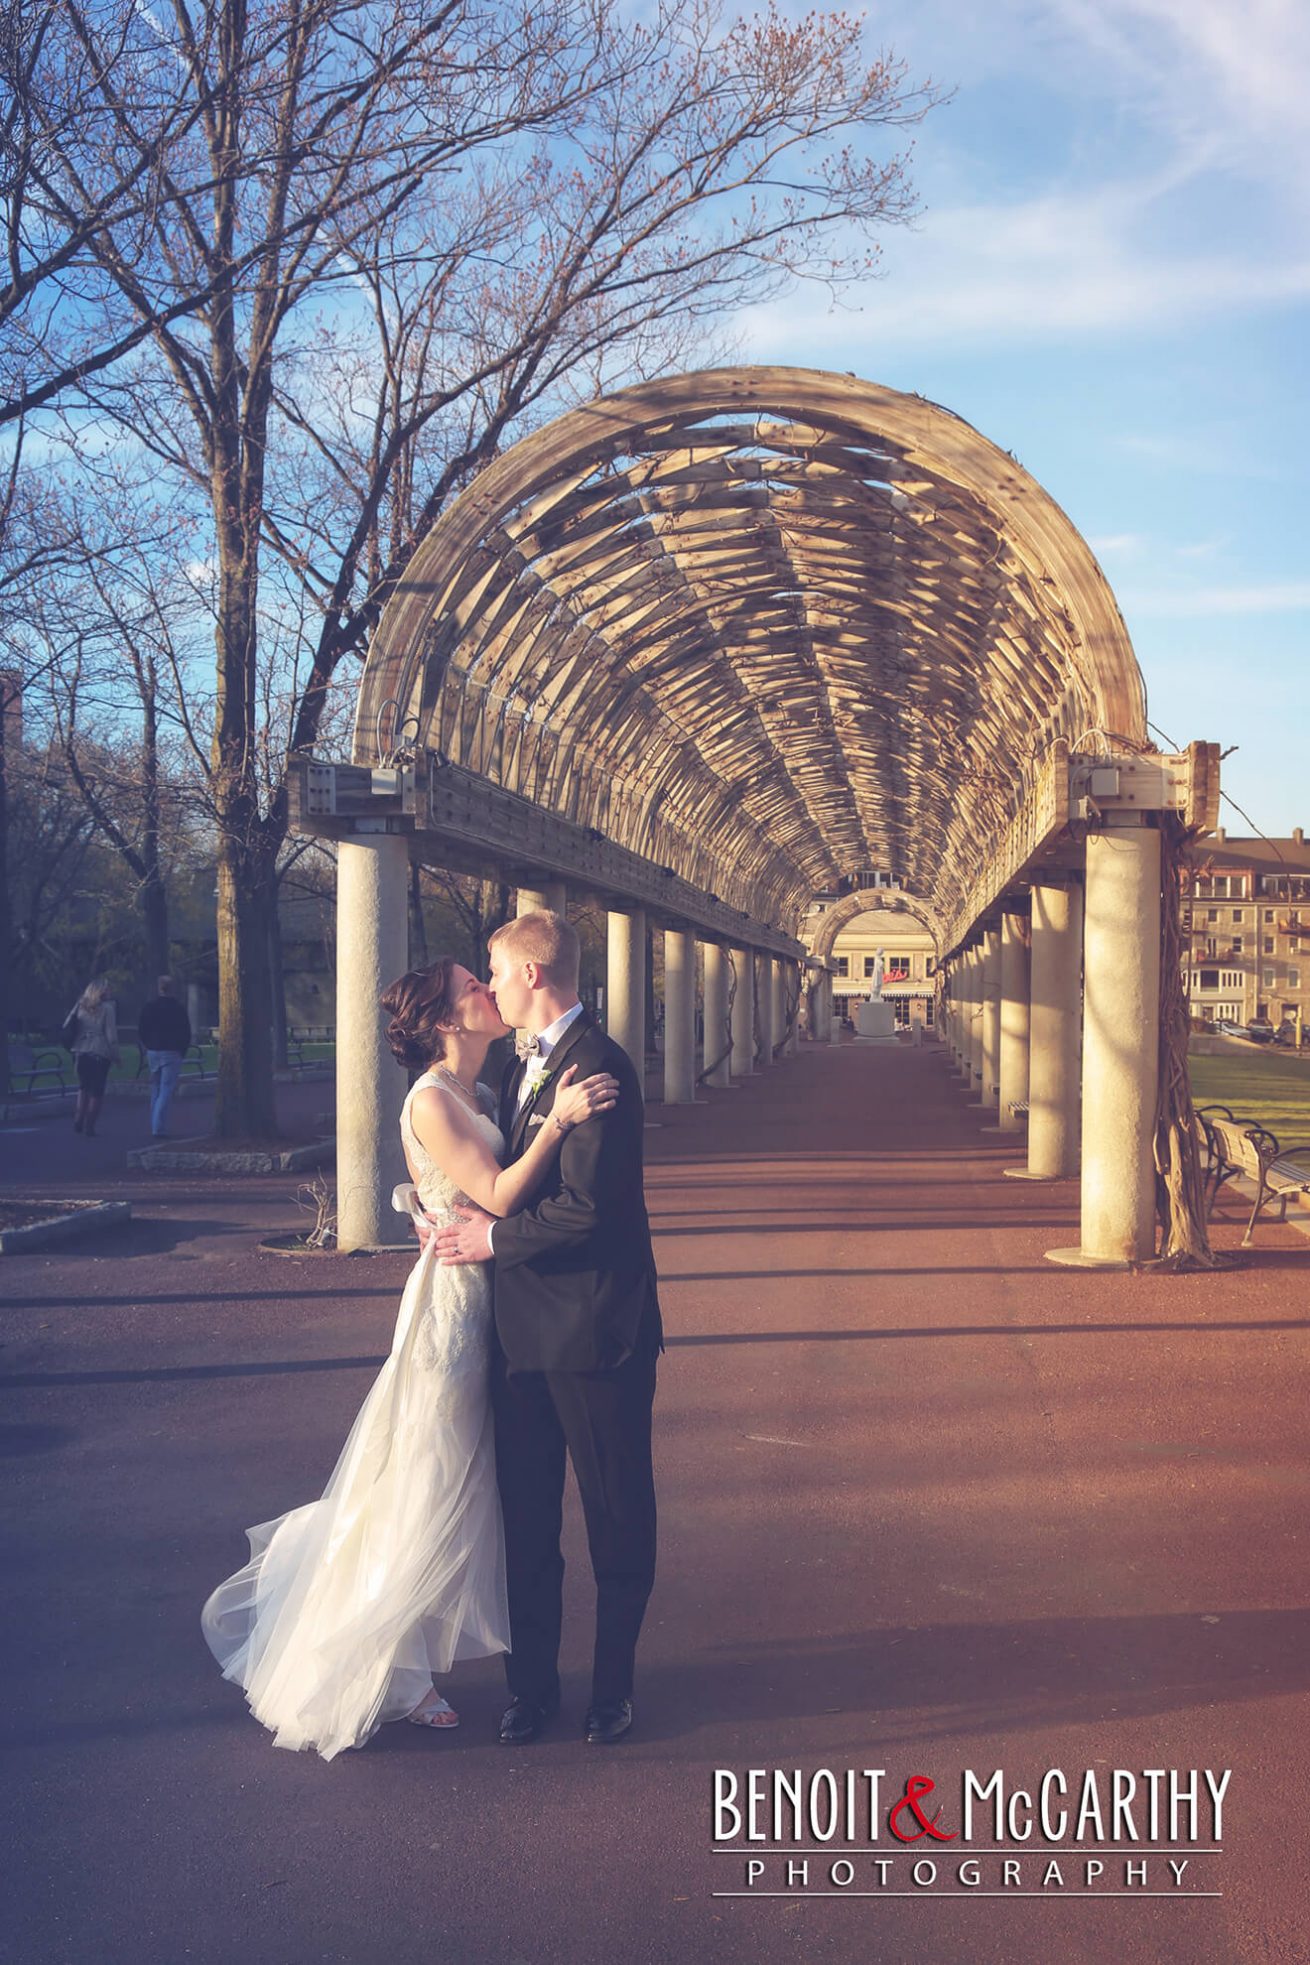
[
  {"x": 1226, "y": 1028},
  {"x": 1260, "y": 1030},
  {"x": 1286, "y": 1034}
]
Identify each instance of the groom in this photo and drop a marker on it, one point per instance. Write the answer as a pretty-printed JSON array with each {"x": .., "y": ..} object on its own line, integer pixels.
[{"x": 578, "y": 1329}]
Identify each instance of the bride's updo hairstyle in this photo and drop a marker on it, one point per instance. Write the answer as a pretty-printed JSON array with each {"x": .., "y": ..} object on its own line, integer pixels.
[{"x": 417, "y": 1005}]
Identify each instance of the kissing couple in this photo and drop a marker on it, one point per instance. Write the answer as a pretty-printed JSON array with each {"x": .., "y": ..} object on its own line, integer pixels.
[{"x": 528, "y": 1330}]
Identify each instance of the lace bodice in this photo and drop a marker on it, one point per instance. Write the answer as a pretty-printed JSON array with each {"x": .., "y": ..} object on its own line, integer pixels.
[
  {"x": 437, "y": 1192},
  {"x": 452, "y": 1311}
]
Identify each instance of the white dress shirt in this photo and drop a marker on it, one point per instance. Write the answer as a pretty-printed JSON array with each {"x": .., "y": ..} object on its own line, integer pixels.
[{"x": 537, "y": 1067}]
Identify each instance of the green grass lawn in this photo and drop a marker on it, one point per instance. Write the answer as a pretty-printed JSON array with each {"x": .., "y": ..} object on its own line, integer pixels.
[
  {"x": 125, "y": 1071},
  {"x": 1270, "y": 1087}
]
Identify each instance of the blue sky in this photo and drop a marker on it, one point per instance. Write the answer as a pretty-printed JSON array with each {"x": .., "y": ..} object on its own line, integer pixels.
[{"x": 1110, "y": 276}]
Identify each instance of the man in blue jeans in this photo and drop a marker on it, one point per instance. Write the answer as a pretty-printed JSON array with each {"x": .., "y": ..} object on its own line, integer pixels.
[{"x": 164, "y": 1030}]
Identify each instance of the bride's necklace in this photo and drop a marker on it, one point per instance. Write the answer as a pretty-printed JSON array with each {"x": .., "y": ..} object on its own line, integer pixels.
[{"x": 458, "y": 1085}]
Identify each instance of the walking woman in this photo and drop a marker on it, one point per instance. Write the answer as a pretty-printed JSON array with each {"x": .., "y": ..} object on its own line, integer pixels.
[{"x": 95, "y": 1047}]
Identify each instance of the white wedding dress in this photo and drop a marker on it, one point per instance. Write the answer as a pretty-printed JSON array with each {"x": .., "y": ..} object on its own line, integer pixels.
[{"x": 349, "y": 1605}]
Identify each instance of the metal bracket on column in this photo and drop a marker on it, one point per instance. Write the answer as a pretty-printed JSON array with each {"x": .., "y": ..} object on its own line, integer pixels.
[
  {"x": 1073, "y": 789},
  {"x": 324, "y": 791},
  {"x": 1185, "y": 782}
]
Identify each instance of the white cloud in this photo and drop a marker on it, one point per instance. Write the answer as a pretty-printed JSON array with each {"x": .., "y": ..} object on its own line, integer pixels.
[
  {"x": 1196, "y": 214},
  {"x": 1270, "y": 597},
  {"x": 1067, "y": 263},
  {"x": 1115, "y": 543}
]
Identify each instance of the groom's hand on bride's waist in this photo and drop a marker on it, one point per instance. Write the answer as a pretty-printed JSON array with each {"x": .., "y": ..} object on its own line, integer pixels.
[{"x": 470, "y": 1241}]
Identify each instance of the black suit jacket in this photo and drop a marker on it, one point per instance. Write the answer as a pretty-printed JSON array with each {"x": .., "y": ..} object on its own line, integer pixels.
[{"x": 575, "y": 1285}]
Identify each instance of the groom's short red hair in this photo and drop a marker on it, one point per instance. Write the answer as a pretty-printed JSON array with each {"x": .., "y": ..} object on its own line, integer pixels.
[{"x": 547, "y": 939}]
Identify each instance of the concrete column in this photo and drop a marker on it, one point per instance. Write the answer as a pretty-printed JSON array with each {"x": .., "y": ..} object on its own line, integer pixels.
[
  {"x": 969, "y": 1026},
  {"x": 834, "y": 1015},
  {"x": 743, "y": 1014},
  {"x": 822, "y": 1032},
  {"x": 551, "y": 894},
  {"x": 964, "y": 1004},
  {"x": 1015, "y": 988},
  {"x": 1054, "y": 1033},
  {"x": 766, "y": 1003},
  {"x": 989, "y": 1089},
  {"x": 625, "y": 984},
  {"x": 794, "y": 979},
  {"x": 679, "y": 1017},
  {"x": 372, "y": 951},
  {"x": 967, "y": 1012},
  {"x": 1121, "y": 1040},
  {"x": 717, "y": 1067}
]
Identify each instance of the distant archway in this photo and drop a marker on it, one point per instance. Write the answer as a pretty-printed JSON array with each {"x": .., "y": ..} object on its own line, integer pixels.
[{"x": 870, "y": 900}]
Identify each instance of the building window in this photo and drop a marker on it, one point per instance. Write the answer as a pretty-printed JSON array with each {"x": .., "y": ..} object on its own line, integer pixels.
[
  {"x": 1269, "y": 945},
  {"x": 843, "y": 965},
  {"x": 1231, "y": 979},
  {"x": 1269, "y": 914},
  {"x": 1294, "y": 979},
  {"x": 1238, "y": 913},
  {"x": 1209, "y": 979},
  {"x": 1267, "y": 979},
  {"x": 1212, "y": 914},
  {"x": 1235, "y": 946}
]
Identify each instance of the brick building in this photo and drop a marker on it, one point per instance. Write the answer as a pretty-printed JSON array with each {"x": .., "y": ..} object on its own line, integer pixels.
[{"x": 1246, "y": 910}]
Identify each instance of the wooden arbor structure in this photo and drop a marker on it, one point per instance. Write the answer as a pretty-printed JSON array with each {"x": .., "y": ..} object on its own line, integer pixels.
[{"x": 714, "y": 645}]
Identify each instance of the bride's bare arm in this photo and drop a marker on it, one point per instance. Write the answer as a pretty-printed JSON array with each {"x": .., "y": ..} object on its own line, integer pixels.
[{"x": 447, "y": 1130}]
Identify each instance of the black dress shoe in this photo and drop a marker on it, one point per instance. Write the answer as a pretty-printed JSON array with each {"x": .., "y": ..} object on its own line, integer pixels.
[
  {"x": 607, "y": 1722},
  {"x": 523, "y": 1720}
]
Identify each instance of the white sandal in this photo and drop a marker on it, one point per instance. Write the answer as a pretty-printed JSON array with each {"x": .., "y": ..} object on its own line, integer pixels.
[{"x": 433, "y": 1710}]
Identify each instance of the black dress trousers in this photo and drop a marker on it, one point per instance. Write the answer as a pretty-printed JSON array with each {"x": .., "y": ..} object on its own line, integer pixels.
[{"x": 602, "y": 1421}]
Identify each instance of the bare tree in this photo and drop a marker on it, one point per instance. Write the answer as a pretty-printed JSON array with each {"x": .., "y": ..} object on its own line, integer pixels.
[
  {"x": 33, "y": 541},
  {"x": 365, "y": 250}
]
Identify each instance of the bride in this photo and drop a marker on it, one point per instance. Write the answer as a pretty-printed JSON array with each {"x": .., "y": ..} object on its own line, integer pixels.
[{"x": 350, "y": 1604}]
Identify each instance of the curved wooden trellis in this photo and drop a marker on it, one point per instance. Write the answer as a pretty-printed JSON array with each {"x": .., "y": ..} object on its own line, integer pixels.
[{"x": 768, "y": 627}]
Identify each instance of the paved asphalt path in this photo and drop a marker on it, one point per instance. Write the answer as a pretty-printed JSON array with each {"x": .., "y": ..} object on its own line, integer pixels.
[{"x": 928, "y": 1504}]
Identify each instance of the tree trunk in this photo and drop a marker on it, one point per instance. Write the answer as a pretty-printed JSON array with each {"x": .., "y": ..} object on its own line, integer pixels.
[
  {"x": 277, "y": 985},
  {"x": 418, "y": 928},
  {"x": 6, "y": 912},
  {"x": 154, "y": 907},
  {"x": 154, "y": 894},
  {"x": 243, "y": 1106}
]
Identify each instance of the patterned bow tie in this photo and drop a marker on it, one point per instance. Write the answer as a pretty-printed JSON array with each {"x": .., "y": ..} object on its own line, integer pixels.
[{"x": 526, "y": 1045}]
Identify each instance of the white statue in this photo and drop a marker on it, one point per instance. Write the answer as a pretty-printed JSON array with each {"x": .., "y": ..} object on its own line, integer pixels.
[{"x": 879, "y": 966}]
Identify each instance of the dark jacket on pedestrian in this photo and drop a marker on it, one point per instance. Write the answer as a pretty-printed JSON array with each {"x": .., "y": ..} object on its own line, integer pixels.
[{"x": 164, "y": 1026}]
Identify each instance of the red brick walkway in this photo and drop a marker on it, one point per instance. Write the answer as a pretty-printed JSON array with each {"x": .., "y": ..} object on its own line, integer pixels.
[{"x": 928, "y": 1504}]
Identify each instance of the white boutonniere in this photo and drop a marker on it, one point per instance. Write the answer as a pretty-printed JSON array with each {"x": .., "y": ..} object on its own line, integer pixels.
[{"x": 536, "y": 1085}]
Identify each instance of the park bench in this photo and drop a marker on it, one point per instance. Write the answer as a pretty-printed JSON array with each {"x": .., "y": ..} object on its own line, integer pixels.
[
  {"x": 29, "y": 1069},
  {"x": 1243, "y": 1146},
  {"x": 299, "y": 1038},
  {"x": 193, "y": 1064}
]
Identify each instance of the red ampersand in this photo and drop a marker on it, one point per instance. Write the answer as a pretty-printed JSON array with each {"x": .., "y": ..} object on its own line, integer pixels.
[{"x": 918, "y": 1784}]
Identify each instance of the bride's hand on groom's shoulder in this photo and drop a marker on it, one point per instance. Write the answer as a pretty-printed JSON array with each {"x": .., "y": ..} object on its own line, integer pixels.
[
  {"x": 576, "y": 1102},
  {"x": 470, "y": 1242}
]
